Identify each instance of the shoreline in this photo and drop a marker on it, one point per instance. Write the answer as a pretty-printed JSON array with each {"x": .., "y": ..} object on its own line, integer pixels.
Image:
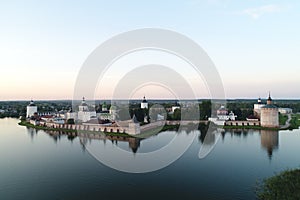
[
  {"x": 254, "y": 128},
  {"x": 27, "y": 124},
  {"x": 146, "y": 133}
]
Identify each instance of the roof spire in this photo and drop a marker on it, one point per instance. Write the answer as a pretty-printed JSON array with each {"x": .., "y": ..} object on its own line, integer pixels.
[
  {"x": 134, "y": 119},
  {"x": 269, "y": 101}
]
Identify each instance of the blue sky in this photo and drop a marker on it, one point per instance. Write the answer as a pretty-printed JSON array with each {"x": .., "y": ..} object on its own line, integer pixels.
[{"x": 254, "y": 44}]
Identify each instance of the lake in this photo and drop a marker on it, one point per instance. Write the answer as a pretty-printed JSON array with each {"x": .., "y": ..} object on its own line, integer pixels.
[{"x": 47, "y": 165}]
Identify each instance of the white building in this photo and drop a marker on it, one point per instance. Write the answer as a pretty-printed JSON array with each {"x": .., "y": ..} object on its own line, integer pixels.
[
  {"x": 84, "y": 114},
  {"x": 257, "y": 107},
  {"x": 285, "y": 110},
  {"x": 144, "y": 104},
  {"x": 222, "y": 116},
  {"x": 71, "y": 115},
  {"x": 31, "y": 109}
]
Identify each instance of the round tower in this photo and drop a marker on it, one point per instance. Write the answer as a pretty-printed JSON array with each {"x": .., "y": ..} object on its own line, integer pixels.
[
  {"x": 144, "y": 104},
  {"x": 31, "y": 109},
  {"x": 269, "y": 115}
]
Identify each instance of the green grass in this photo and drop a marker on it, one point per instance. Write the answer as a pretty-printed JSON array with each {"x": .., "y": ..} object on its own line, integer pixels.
[
  {"x": 282, "y": 119},
  {"x": 155, "y": 131},
  {"x": 250, "y": 127},
  {"x": 295, "y": 122},
  {"x": 285, "y": 185}
]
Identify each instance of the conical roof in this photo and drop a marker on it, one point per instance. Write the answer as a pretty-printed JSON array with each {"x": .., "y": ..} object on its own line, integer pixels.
[
  {"x": 31, "y": 103},
  {"x": 144, "y": 100},
  {"x": 134, "y": 119}
]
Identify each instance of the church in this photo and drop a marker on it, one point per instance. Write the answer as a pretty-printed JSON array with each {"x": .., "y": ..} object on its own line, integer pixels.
[{"x": 84, "y": 114}]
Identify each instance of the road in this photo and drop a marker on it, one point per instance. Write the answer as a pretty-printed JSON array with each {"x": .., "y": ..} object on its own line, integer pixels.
[{"x": 287, "y": 123}]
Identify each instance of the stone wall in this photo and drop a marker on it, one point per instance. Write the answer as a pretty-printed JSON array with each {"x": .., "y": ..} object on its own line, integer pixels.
[
  {"x": 87, "y": 127},
  {"x": 242, "y": 123},
  {"x": 269, "y": 118}
]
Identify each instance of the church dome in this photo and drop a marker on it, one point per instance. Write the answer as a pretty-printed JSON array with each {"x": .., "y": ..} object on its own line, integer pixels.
[{"x": 83, "y": 102}]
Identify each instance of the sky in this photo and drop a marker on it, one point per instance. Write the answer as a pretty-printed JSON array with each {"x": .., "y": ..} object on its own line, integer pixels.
[{"x": 254, "y": 44}]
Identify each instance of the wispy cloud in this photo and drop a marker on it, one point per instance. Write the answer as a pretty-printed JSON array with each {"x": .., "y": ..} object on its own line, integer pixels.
[{"x": 257, "y": 12}]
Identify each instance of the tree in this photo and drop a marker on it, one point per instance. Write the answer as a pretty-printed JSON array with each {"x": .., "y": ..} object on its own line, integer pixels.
[
  {"x": 177, "y": 114},
  {"x": 205, "y": 110},
  {"x": 71, "y": 121}
]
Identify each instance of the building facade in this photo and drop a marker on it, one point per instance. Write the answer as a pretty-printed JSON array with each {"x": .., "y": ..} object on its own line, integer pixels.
[
  {"x": 257, "y": 108},
  {"x": 84, "y": 114}
]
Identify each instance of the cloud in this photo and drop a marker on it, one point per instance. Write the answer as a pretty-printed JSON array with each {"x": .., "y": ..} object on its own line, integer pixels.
[{"x": 257, "y": 12}]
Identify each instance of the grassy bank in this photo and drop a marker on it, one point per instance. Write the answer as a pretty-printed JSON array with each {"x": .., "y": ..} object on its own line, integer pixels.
[
  {"x": 295, "y": 121},
  {"x": 285, "y": 185},
  {"x": 282, "y": 119},
  {"x": 251, "y": 127}
]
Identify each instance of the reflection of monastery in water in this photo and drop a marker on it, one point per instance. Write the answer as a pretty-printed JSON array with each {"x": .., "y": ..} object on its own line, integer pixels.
[
  {"x": 84, "y": 138},
  {"x": 269, "y": 141}
]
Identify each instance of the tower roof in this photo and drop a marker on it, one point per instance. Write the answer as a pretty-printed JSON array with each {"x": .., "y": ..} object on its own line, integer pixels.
[
  {"x": 134, "y": 120},
  {"x": 270, "y": 106},
  {"x": 144, "y": 100},
  {"x": 269, "y": 98},
  {"x": 269, "y": 101},
  {"x": 31, "y": 103},
  {"x": 83, "y": 102}
]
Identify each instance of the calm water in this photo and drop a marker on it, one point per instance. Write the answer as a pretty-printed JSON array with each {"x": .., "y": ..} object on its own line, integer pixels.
[{"x": 38, "y": 165}]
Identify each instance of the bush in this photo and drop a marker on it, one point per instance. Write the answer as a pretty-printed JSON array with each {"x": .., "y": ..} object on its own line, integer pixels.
[
  {"x": 285, "y": 185},
  {"x": 70, "y": 121}
]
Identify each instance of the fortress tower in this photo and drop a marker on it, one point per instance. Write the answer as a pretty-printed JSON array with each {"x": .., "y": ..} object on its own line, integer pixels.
[
  {"x": 144, "y": 104},
  {"x": 269, "y": 115},
  {"x": 31, "y": 109}
]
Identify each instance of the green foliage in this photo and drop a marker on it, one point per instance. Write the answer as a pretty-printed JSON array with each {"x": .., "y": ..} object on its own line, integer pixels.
[
  {"x": 242, "y": 109},
  {"x": 282, "y": 119},
  {"x": 205, "y": 109},
  {"x": 70, "y": 121},
  {"x": 285, "y": 185},
  {"x": 139, "y": 114},
  {"x": 177, "y": 114},
  {"x": 295, "y": 122}
]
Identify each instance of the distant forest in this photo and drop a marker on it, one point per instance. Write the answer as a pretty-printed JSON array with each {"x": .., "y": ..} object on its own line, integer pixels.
[{"x": 241, "y": 107}]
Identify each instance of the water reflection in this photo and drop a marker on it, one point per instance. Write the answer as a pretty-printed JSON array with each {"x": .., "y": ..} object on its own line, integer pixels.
[
  {"x": 269, "y": 141},
  {"x": 32, "y": 132}
]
